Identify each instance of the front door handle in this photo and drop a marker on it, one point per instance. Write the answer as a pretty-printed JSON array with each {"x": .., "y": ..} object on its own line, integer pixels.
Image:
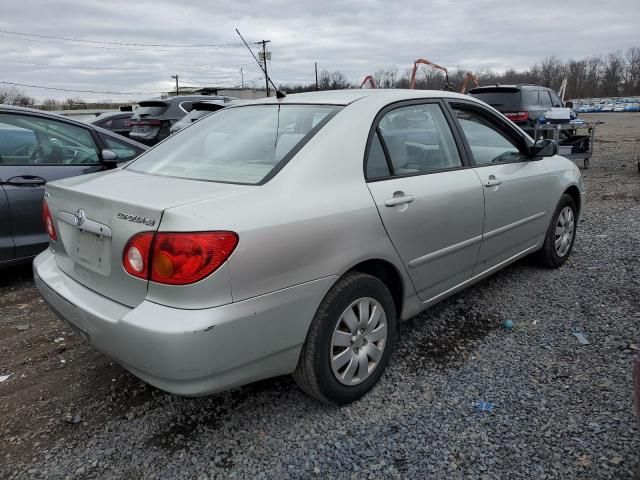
[
  {"x": 398, "y": 198},
  {"x": 26, "y": 181},
  {"x": 492, "y": 181}
]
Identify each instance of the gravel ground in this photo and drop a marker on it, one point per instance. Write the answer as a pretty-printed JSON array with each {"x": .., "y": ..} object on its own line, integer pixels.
[{"x": 561, "y": 409}]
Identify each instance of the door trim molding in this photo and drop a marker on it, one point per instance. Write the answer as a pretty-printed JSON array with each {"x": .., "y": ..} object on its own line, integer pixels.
[
  {"x": 416, "y": 262},
  {"x": 513, "y": 225},
  {"x": 479, "y": 276}
]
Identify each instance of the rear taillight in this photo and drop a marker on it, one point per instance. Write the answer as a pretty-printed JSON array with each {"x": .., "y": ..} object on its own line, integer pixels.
[
  {"x": 177, "y": 258},
  {"x": 517, "y": 116},
  {"x": 137, "y": 256},
  {"x": 47, "y": 220}
]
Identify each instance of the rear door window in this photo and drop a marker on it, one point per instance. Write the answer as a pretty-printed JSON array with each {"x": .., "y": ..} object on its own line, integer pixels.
[
  {"x": 418, "y": 140},
  {"x": 530, "y": 97}
]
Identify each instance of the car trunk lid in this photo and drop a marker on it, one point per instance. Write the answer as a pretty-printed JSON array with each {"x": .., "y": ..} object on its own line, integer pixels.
[{"x": 96, "y": 215}]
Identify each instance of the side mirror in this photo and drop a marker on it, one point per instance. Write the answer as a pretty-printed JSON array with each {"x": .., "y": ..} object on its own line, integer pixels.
[
  {"x": 568, "y": 104},
  {"x": 544, "y": 147},
  {"x": 109, "y": 156}
]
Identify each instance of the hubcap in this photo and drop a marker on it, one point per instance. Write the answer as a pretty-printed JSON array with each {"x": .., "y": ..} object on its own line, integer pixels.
[
  {"x": 358, "y": 341},
  {"x": 564, "y": 231}
]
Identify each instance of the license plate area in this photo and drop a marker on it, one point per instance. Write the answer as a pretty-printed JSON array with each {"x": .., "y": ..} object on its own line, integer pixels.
[
  {"x": 88, "y": 245},
  {"x": 92, "y": 251}
]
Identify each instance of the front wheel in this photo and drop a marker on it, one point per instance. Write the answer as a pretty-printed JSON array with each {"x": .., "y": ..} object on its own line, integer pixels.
[
  {"x": 561, "y": 234},
  {"x": 349, "y": 341}
]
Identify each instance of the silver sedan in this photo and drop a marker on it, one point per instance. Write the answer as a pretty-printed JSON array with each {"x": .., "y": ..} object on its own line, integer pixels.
[{"x": 289, "y": 236}]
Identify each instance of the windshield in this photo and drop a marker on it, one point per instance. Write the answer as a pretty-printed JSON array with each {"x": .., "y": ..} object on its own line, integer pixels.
[{"x": 235, "y": 145}]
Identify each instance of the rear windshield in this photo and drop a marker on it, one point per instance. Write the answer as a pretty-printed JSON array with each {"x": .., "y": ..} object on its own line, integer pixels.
[
  {"x": 151, "y": 109},
  {"x": 235, "y": 145},
  {"x": 498, "y": 98},
  {"x": 194, "y": 115}
]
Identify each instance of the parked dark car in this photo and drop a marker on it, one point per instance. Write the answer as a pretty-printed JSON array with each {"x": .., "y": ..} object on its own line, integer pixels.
[
  {"x": 37, "y": 147},
  {"x": 200, "y": 110},
  {"x": 152, "y": 121},
  {"x": 117, "y": 122},
  {"x": 522, "y": 104}
]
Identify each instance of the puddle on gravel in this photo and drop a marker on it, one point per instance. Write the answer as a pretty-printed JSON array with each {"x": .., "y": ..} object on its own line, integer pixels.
[{"x": 443, "y": 334}]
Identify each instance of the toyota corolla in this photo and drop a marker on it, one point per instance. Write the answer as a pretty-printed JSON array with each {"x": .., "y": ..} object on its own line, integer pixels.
[{"x": 290, "y": 235}]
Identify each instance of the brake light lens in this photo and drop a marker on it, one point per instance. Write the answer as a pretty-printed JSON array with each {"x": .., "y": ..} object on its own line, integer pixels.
[
  {"x": 517, "y": 116},
  {"x": 47, "y": 220},
  {"x": 177, "y": 258}
]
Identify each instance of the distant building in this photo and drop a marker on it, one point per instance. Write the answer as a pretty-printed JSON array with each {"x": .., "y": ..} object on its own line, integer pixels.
[{"x": 241, "y": 93}]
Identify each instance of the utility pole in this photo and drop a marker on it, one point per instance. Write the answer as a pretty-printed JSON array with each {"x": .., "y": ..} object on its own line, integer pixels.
[
  {"x": 264, "y": 59},
  {"x": 316, "y": 76},
  {"x": 177, "y": 90},
  {"x": 241, "y": 78}
]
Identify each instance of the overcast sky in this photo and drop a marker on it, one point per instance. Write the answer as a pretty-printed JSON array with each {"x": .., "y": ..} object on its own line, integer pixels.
[{"x": 357, "y": 37}]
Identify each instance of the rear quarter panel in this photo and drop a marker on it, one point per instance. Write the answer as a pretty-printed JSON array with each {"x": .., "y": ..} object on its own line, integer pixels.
[{"x": 314, "y": 219}]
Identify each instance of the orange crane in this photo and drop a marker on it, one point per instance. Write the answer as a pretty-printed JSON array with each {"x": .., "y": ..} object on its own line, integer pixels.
[
  {"x": 412, "y": 84},
  {"x": 369, "y": 79},
  {"x": 469, "y": 76}
]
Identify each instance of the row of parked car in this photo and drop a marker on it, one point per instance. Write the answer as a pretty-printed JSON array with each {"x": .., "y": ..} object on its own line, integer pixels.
[
  {"x": 609, "y": 107},
  {"x": 156, "y": 119}
]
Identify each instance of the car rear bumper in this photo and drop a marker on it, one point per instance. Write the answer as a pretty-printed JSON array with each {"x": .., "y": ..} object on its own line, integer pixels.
[{"x": 188, "y": 352}]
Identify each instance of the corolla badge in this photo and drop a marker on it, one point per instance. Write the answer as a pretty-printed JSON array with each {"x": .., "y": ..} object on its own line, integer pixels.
[
  {"x": 136, "y": 218},
  {"x": 79, "y": 217}
]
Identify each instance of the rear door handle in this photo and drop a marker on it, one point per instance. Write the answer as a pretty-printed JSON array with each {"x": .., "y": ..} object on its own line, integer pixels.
[
  {"x": 398, "y": 200},
  {"x": 492, "y": 181},
  {"x": 26, "y": 181}
]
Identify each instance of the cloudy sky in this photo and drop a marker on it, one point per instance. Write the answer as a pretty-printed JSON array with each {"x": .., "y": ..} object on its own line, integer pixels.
[{"x": 357, "y": 37}]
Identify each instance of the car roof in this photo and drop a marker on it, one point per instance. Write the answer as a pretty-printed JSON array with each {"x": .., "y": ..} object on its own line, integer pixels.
[{"x": 348, "y": 96}]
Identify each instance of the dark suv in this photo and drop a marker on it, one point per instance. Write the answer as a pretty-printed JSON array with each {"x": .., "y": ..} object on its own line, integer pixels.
[
  {"x": 152, "y": 121},
  {"x": 522, "y": 104}
]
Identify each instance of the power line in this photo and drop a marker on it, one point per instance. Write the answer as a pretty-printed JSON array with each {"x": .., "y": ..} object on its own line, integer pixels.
[
  {"x": 101, "y": 47},
  {"x": 146, "y": 68},
  {"x": 78, "y": 91},
  {"x": 126, "y": 44},
  {"x": 120, "y": 93}
]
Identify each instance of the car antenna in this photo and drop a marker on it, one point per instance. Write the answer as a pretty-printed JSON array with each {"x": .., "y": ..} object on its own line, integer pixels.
[{"x": 279, "y": 94}]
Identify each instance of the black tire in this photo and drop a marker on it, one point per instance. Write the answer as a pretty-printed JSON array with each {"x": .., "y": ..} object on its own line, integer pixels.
[
  {"x": 548, "y": 256},
  {"x": 314, "y": 373}
]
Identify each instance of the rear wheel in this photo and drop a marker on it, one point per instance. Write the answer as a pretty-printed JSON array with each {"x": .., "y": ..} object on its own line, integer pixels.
[
  {"x": 349, "y": 341},
  {"x": 561, "y": 234}
]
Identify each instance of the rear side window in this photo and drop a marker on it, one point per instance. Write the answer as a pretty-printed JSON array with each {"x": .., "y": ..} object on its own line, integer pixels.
[
  {"x": 530, "y": 97},
  {"x": 236, "y": 145},
  {"x": 418, "y": 140},
  {"x": 377, "y": 166}
]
